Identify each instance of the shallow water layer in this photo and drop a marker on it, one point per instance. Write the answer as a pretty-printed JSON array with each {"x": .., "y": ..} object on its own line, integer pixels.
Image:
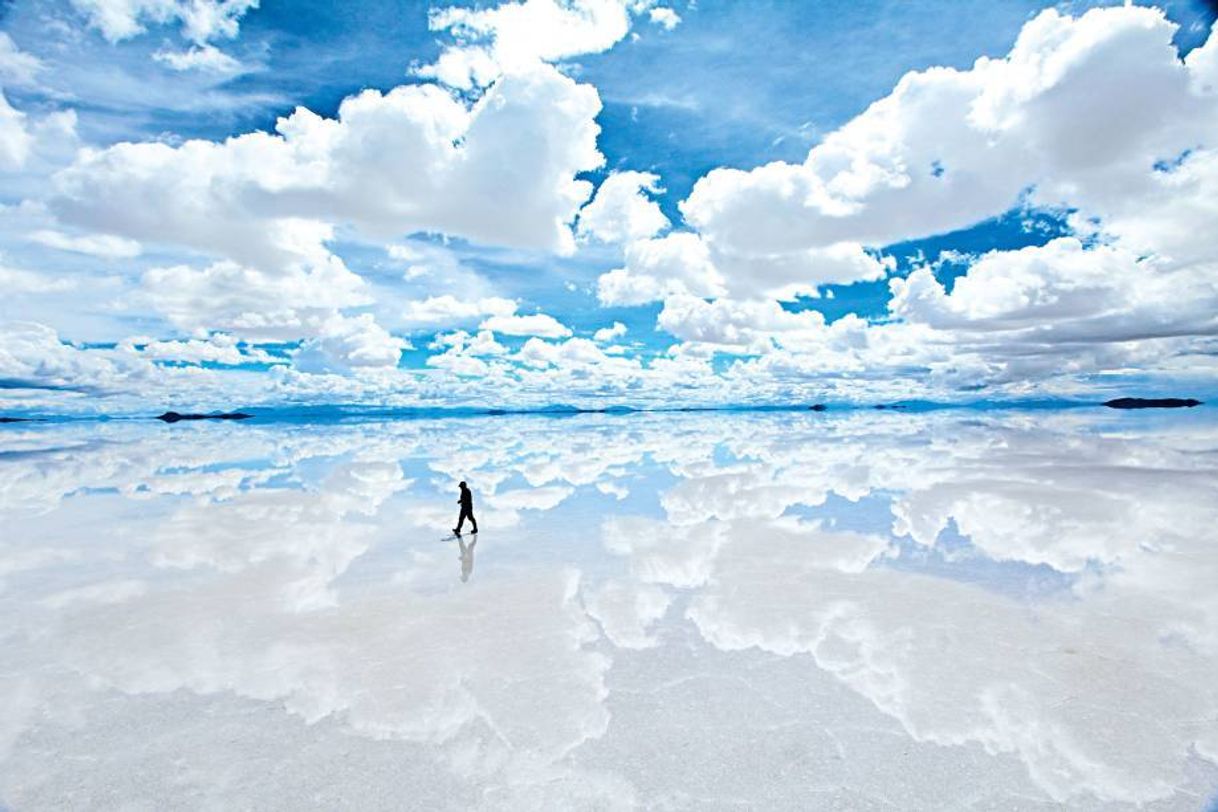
[{"x": 678, "y": 611}]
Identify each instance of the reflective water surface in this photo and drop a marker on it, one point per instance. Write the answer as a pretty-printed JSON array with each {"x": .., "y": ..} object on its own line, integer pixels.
[{"x": 868, "y": 610}]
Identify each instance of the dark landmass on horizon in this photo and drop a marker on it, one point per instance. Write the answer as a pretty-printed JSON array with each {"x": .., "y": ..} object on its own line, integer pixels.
[
  {"x": 1152, "y": 403},
  {"x": 174, "y": 417}
]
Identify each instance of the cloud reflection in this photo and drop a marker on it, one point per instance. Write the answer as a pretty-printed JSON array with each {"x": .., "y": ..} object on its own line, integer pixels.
[{"x": 301, "y": 568}]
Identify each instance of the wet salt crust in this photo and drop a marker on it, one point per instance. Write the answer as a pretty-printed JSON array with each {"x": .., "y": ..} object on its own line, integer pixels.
[{"x": 867, "y": 610}]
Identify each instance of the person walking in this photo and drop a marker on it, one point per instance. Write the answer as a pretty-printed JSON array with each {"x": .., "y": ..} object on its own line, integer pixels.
[{"x": 466, "y": 501}]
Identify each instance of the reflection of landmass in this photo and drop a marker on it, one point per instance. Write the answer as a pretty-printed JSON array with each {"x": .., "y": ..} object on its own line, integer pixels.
[
  {"x": 1151, "y": 403},
  {"x": 173, "y": 417}
]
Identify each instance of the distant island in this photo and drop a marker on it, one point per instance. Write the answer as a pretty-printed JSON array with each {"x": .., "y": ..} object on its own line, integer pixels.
[
  {"x": 173, "y": 417},
  {"x": 1152, "y": 403},
  {"x": 14, "y": 419}
]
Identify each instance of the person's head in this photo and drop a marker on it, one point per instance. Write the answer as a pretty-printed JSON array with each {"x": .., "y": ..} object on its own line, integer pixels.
[{"x": 463, "y": 484}]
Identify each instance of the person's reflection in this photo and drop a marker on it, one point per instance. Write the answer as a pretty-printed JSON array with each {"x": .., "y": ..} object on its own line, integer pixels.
[{"x": 467, "y": 558}]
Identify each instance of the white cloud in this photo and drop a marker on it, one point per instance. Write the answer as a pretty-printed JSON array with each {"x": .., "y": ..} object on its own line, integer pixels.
[
  {"x": 799, "y": 273},
  {"x": 678, "y": 263},
  {"x": 219, "y": 348},
  {"x": 200, "y": 20},
  {"x": 1068, "y": 111},
  {"x": 97, "y": 245},
  {"x": 535, "y": 324},
  {"x": 345, "y": 345},
  {"x": 1095, "y": 113},
  {"x": 622, "y": 210},
  {"x": 686, "y": 263},
  {"x": 32, "y": 356},
  {"x": 609, "y": 333},
  {"x": 1061, "y": 308},
  {"x": 32, "y": 145},
  {"x": 257, "y": 304},
  {"x": 538, "y": 353},
  {"x": 461, "y": 342},
  {"x": 464, "y": 355},
  {"x": 15, "y": 139},
  {"x": 14, "y": 281},
  {"x": 414, "y": 159},
  {"x": 16, "y": 66},
  {"x": 1060, "y": 290},
  {"x": 747, "y": 326},
  {"x": 514, "y": 37},
  {"x": 664, "y": 17},
  {"x": 207, "y": 58},
  {"x": 460, "y": 363},
  {"x": 449, "y": 311}
]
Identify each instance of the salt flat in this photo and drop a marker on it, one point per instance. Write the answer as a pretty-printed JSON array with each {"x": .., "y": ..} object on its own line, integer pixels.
[{"x": 671, "y": 611}]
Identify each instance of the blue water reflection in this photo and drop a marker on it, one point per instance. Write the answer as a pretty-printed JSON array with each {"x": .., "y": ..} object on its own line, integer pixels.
[{"x": 673, "y": 611}]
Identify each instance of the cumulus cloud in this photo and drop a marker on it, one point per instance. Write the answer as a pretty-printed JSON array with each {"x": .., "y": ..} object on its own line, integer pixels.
[
  {"x": 251, "y": 302},
  {"x": 200, "y": 20},
  {"x": 1063, "y": 291},
  {"x": 254, "y": 217},
  {"x": 449, "y": 311},
  {"x": 687, "y": 263},
  {"x": 513, "y": 37},
  {"x": 1061, "y": 122},
  {"x": 1095, "y": 117},
  {"x": 616, "y": 330},
  {"x": 482, "y": 343},
  {"x": 664, "y": 17},
  {"x": 574, "y": 353},
  {"x": 348, "y": 344},
  {"x": 464, "y": 354},
  {"x": 678, "y": 263},
  {"x": 622, "y": 209},
  {"x": 32, "y": 356},
  {"x": 217, "y": 348},
  {"x": 746, "y": 326},
  {"x": 536, "y": 324},
  {"x": 415, "y": 159},
  {"x": 948, "y": 148}
]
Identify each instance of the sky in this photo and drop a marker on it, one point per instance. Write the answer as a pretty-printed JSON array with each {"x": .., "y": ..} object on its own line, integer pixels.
[{"x": 233, "y": 203}]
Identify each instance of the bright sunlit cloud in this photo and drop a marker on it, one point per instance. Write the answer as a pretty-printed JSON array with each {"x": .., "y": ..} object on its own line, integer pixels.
[{"x": 570, "y": 202}]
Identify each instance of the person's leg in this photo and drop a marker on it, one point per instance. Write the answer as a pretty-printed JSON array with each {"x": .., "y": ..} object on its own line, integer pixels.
[
  {"x": 460, "y": 522},
  {"x": 473, "y": 521}
]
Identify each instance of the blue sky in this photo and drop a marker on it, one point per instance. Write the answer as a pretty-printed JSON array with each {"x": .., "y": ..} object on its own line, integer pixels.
[{"x": 229, "y": 202}]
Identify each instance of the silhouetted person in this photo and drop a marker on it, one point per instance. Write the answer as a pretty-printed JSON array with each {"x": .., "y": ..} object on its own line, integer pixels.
[
  {"x": 466, "y": 501},
  {"x": 467, "y": 558}
]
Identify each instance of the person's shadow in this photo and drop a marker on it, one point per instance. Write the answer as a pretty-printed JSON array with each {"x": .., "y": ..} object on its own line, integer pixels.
[{"x": 467, "y": 558}]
